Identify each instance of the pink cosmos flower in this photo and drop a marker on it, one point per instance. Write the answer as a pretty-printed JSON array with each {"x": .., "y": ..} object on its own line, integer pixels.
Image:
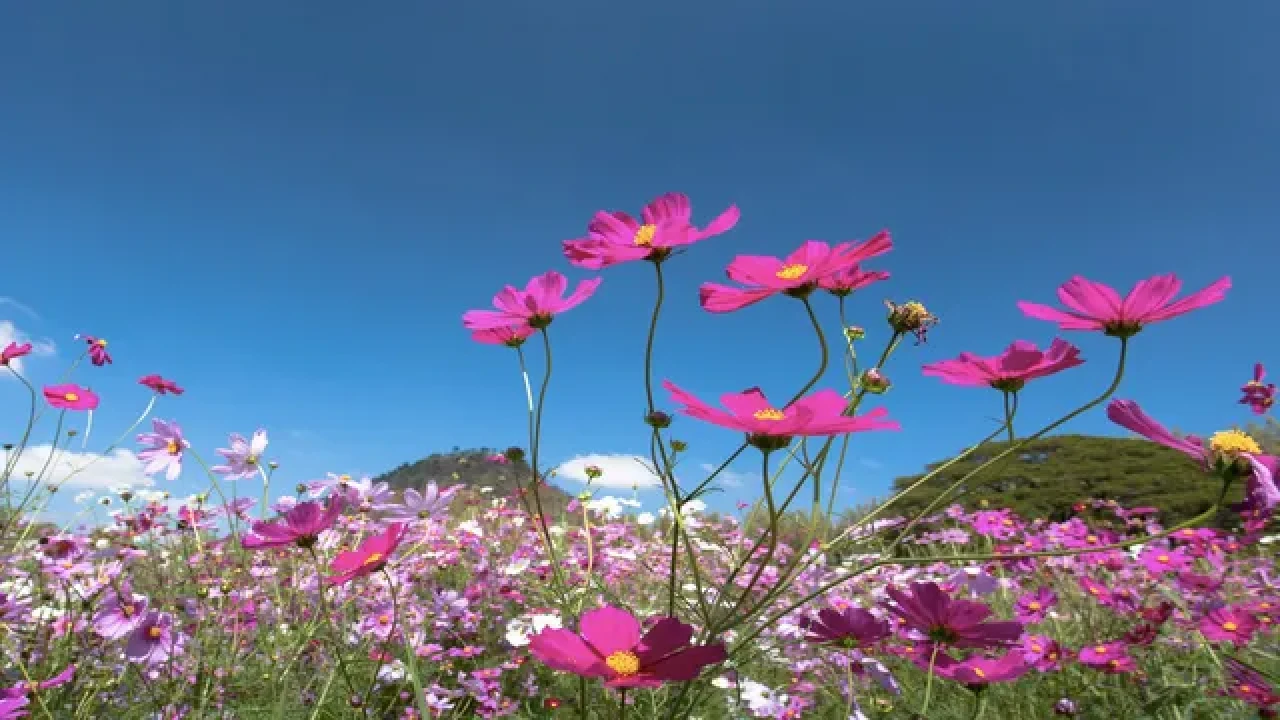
[
  {"x": 119, "y": 615},
  {"x": 665, "y": 224},
  {"x": 819, "y": 414},
  {"x": 301, "y": 525},
  {"x": 160, "y": 385},
  {"x": 98, "y": 354},
  {"x": 977, "y": 670},
  {"x": 70, "y": 397},
  {"x": 848, "y": 280},
  {"x": 609, "y": 645},
  {"x": 1158, "y": 560},
  {"x": 1111, "y": 657},
  {"x": 1257, "y": 396},
  {"x": 11, "y": 708},
  {"x": 1229, "y": 451},
  {"x": 13, "y": 351},
  {"x": 944, "y": 620},
  {"x": 1251, "y": 686},
  {"x": 851, "y": 627},
  {"x": 535, "y": 306},
  {"x": 244, "y": 457},
  {"x": 1010, "y": 370},
  {"x": 370, "y": 557},
  {"x": 1094, "y": 306},
  {"x": 1235, "y": 625},
  {"x": 512, "y": 337},
  {"x": 154, "y": 640},
  {"x": 164, "y": 449},
  {"x": 797, "y": 275},
  {"x": 1034, "y": 607}
]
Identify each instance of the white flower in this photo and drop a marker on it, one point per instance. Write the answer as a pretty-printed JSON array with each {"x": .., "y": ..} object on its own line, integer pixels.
[
  {"x": 472, "y": 527},
  {"x": 520, "y": 629},
  {"x": 645, "y": 518}
]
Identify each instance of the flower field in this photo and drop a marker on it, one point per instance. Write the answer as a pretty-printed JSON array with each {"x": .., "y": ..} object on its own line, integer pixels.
[{"x": 349, "y": 599}]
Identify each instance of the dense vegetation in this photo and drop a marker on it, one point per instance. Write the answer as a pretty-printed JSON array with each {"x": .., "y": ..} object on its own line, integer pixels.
[{"x": 474, "y": 469}]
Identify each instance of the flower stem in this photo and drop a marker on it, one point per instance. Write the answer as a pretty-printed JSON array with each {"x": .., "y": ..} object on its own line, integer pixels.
[
  {"x": 1010, "y": 403},
  {"x": 928, "y": 683}
]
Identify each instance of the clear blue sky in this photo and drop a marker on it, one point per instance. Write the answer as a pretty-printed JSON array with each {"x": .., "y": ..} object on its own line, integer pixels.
[{"x": 286, "y": 206}]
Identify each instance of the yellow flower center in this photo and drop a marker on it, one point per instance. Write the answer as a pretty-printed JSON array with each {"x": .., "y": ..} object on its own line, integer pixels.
[
  {"x": 792, "y": 272},
  {"x": 1037, "y": 647},
  {"x": 1233, "y": 442},
  {"x": 769, "y": 414},
  {"x": 644, "y": 235},
  {"x": 978, "y": 671},
  {"x": 384, "y": 619},
  {"x": 251, "y": 460},
  {"x": 127, "y": 610},
  {"x": 1100, "y": 649},
  {"x": 1230, "y": 626},
  {"x": 70, "y": 397},
  {"x": 373, "y": 559},
  {"x": 172, "y": 448},
  {"x": 1091, "y": 539},
  {"x": 1034, "y": 605},
  {"x": 624, "y": 663},
  {"x": 1162, "y": 558},
  {"x": 155, "y": 632}
]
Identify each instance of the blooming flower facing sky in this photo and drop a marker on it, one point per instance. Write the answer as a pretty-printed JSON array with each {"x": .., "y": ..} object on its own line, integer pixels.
[
  {"x": 798, "y": 274},
  {"x": 98, "y": 354},
  {"x": 1094, "y": 306},
  {"x": 70, "y": 397},
  {"x": 301, "y": 525},
  {"x": 535, "y": 306},
  {"x": 165, "y": 446},
  {"x": 244, "y": 457},
  {"x": 851, "y": 627},
  {"x": 13, "y": 351},
  {"x": 1009, "y": 371},
  {"x": 608, "y": 645},
  {"x": 160, "y": 385},
  {"x": 432, "y": 502},
  {"x": 665, "y": 224},
  {"x": 370, "y": 557},
  {"x": 944, "y": 620}
]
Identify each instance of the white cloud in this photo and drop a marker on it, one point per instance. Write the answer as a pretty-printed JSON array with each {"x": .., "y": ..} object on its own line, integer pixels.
[
  {"x": 617, "y": 470},
  {"x": 10, "y": 301},
  {"x": 731, "y": 478},
  {"x": 10, "y": 333},
  {"x": 82, "y": 469}
]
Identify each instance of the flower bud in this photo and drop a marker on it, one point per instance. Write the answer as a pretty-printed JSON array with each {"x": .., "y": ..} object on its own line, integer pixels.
[
  {"x": 874, "y": 381},
  {"x": 658, "y": 419},
  {"x": 910, "y": 317},
  {"x": 855, "y": 333},
  {"x": 592, "y": 472},
  {"x": 679, "y": 446}
]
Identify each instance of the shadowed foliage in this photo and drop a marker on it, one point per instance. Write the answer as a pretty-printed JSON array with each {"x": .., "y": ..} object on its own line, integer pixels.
[{"x": 473, "y": 469}]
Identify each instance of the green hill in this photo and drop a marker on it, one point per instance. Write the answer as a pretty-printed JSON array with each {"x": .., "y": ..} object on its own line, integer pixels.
[
  {"x": 472, "y": 469},
  {"x": 1048, "y": 476}
]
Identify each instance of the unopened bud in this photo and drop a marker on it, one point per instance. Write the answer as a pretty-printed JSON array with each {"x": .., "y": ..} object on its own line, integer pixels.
[
  {"x": 855, "y": 332},
  {"x": 874, "y": 381},
  {"x": 592, "y": 472},
  {"x": 658, "y": 419},
  {"x": 679, "y": 445}
]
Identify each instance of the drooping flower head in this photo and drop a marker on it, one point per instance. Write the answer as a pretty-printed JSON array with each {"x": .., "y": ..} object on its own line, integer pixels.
[
  {"x": 301, "y": 525},
  {"x": 911, "y": 317},
  {"x": 851, "y": 279},
  {"x": 244, "y": 457},
  {"x": 852, "y": 627},
  {"x": 98, "y": 354},
  {"x": 70, "y": 397},
  {"x": 535, "y": 306},
  {"x": 1094, "y": 306},
  {"x": 665, "y": 224},
  {"x": 164, "y": 450},
  {"x": 944, "y": 620},
  {"x": 160, "y": 385},
  {"x": 608, "y": 645},
  {"x": 1228, "y": 453},
  {"x": 372, "y": 555},
  {"x": 13, "y": 351},
  {"x": 770, "y": 428},
  {"x": 796, "y": 275},
  {"x": 1010, "y": 370},
  {"x": 1258, "y": 396},
  {"x": 512, "y": 337}
]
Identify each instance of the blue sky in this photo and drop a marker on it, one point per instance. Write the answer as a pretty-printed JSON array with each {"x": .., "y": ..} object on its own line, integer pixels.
[{"x": 287, "y": 206}]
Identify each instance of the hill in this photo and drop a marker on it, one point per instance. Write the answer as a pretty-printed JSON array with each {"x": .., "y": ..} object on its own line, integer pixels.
[
  {"x": 473, "y": 469},
  {"x": 1050, "y": 475}
]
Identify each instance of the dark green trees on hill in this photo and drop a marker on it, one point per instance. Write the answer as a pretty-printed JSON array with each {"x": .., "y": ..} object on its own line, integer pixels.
[
  {"x": 1048, "y": 476},
  {"x": 473, "y": 469}
]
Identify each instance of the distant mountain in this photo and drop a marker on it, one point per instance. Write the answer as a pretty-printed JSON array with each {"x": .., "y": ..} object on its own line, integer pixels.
[
  {"x": 1048, "y": 476},
  {"x": 474, "y": 469}
]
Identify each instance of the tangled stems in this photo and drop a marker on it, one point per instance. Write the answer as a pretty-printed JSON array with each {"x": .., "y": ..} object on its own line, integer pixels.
[{"x": 327, "y": 609}]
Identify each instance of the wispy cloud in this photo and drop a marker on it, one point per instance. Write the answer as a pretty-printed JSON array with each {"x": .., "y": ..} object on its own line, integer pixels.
[
  {"x": 617, "y": 470},
  {"x": 731, "y": 478},
  {"x": 39, "y": 348},
  {"x": 15, "y": 304}
]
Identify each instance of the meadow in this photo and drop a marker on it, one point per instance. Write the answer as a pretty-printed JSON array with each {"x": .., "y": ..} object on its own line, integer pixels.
[{"x": 349, "y": 599}]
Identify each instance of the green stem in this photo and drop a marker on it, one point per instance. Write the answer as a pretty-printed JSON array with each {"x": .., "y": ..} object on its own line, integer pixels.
[
  {"x": 534, "y": 450},
  {"x": 928, "y": 683},
  {"x": 1010, "y": 404}
]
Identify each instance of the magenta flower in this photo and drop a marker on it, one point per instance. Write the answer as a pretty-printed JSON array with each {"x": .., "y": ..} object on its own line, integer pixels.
[
  {"x": 372, "y": 555},
  {"x": 1034, "y": 607},
  {"x": 796, "y": 275},
  {"x": 1258, "y": 396},
  {"x": 535, "y": 306},
  {"x": 609, "y": 646},
  {"x": 70, "y": 397},
  {"x": 1229, "y": 451},
  {"x": 1112, "y": 657},
  {"x": 13, "y": 351},
  {"x": 1009, "y": 371},
  {"x": 944, "y": 620},
  {"x": 154, "y": 640},
  {"x": 853, "y": 278},
  {"x": 1235, "y": 625},
  {"x": 11, "y": 708},
  {"x": 1251, "y": 686},
  {"x": 1094, "y": 306},
  {"x": 977, "y": 670},
  {"x": 98, "y": 354},
  {"x": 1158, "y": 560},
  {"x": 665, "y": 223},
  {"x": 512, "y": 337},
  {"x": 817, "y": 415},
  {"x": 301, "y": 525},
  {"x": 164, "y": 449},
  {"x": 160, "y": 385},
  {"x": 851, "y": 627},
  {"x": 244, "y": 457}
]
